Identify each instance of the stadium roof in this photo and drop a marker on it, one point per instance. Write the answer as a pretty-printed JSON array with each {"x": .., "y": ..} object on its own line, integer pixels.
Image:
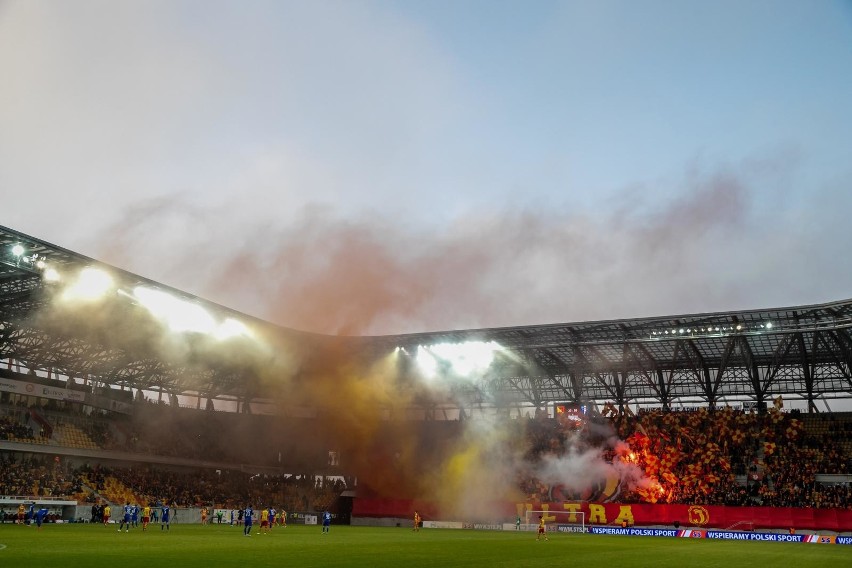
[{"x": 802, "y": 352}]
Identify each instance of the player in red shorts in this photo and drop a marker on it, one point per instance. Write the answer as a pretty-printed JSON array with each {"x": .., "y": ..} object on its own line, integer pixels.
[
  {"x": 541, "y": 529},
  {"x": 146, "y": 517},
  {"x": 264, "y": 521}
]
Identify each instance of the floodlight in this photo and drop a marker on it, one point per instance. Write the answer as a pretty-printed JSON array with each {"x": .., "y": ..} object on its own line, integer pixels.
[
  {"x": 468, "y": 357},
  {"x": 769, "y": 325},
  {"x": 92, "y": 283},
  {"x": 178, "y": 314},
  {"x": 18, "y": 250},
  {"x": 158, "y": 303},
  {"x": 231, "y": 328},
  {"x": 426, "y": 362},
  {"x": 51, "y": 275},
  {"x": 191, "y": 317}
]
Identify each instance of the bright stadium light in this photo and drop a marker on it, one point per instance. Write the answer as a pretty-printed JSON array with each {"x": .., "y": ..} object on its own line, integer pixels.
[
  {"x": 178, "y": 314},
  {"x": 426, "y": 362},
  {"x": 191, "y": 317},
  {"x": 92, "y": 283},
  {"x": 769, "y": 325},
  {"x": 51, "y": 275},
  {"x": 467, "y": 358},
  {"x": 158, "y": 303},
  {"x": 231, "y": 328},
  {"x": 18, "y": 250}
]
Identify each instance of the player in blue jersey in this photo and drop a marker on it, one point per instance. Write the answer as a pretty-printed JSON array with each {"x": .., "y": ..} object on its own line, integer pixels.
[
  {"x": 40, "y": 516},
  {"x": 125, "y": 520},
  {"x": 326, "y": 521},
  {"x": 165, "y": 518},
  {"x": 31, "y": 513},
  {"x": 247, "y": 514},
  {"x": 134, "y": 515}
]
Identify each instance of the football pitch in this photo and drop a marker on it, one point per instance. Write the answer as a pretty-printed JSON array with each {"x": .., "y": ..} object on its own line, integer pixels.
[{"x": 83, "y": 545}]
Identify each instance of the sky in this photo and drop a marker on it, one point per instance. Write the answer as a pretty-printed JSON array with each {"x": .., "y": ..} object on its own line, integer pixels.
[{"x": 383, "y": 167}]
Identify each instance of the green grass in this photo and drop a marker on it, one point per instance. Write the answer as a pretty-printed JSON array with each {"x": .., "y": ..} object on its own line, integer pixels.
[{"x": 68, "y": 546}]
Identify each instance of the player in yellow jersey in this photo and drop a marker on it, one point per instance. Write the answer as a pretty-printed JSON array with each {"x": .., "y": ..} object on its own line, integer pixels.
[
  {"x": 22, "y": 511},
  {"x": 542, "y": 530},
  {"x": 264, "y": 521},
  {"x": 107, "y": 513},
  {"x": 284, "y": 518},
  {"x": 416, "y": 521},
  {"x": 146, "y": 517}
]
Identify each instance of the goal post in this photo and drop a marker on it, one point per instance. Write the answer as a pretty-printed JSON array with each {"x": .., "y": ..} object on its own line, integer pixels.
[{"x": 556, "y": 521}]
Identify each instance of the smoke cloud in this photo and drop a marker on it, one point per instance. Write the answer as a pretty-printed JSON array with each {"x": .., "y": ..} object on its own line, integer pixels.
[
  {"x": 347, "y": 275},
  {"x": 325, "y": 272}
]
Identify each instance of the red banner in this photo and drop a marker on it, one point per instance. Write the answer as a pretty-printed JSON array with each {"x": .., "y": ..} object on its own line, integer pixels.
[{"x": 700, "y": 516}]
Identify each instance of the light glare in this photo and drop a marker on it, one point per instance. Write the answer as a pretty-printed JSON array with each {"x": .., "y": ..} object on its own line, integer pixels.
[
  {"x": 426, "y": 362},
  {"x": 231, "y": 328},
  {"x": 178, "y": 314},
  {"x": 466, "y": 358},
  {"x": 51, "y": 275},
  {"x": 92, "y": 283}
]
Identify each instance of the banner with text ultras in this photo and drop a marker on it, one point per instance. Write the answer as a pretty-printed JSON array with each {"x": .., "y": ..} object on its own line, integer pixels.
[
  {"x": 633, "y": 514},
  {"x": 697, "y": 516}
]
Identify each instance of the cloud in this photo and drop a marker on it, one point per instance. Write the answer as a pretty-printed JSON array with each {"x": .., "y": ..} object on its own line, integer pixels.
[{"x": 329, "y": 272}]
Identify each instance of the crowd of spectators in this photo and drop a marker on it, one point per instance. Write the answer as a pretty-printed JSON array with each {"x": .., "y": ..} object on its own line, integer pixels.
[
  {"x": 700, "y": 457},
  {"x": 36, "y": 475},
  {"x": 221, "y": 488},
  {"x": 12, "y": 429}
]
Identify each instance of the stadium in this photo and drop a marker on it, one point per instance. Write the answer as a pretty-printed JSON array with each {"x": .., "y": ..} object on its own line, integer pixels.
[{"x": 117, "y": 389}]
